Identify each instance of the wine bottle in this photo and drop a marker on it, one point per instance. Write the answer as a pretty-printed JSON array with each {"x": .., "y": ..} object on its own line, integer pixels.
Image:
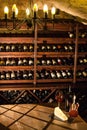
[
  {"x": 58, "y": 74},
  {"x": 59, "y": 61},
  {"x": 54, "y": 48},
  {"x": 19, "y": 74},
  {"x": 66, "y": 48},
  {"x": 31, "y": 48},
  {"x": 43, "y": 48},
  {"x": 80, "y": 61},
  {"x": 31, "y": 61},
  {"x": 8, "y": 48},
  {"x": 25, "y": 48},
  {"x": 38, "y": 61},
  {"x": 60, "y": 48},
  {"x": 42, "y": 74},
  {"x": 63, "y": 73},
  {"x": 70, "y": 48},
  {"x": 25, "y": 61},
  {"x": 20, "y": 61},
  {"x": 48, "y": 48},
  {"x": 71, "y": 34},
  {"x": 69, "y": 74},
  {"x": 85, "y": 60},
  {"x": 13, "y": 62},
  {"x": 53, "y": 74},
  {"x": 13, "y": 75},
  {"x": 79, "y": 74},
  {"x": 8, "y": 75},
  {"x": 13, "y": 48},
  {"x": 49, "y": 61},
  {"x": 2, "y": 48},
  {"x": 25, "y": 74},
  {"x": 43, "y": 60},
  {"x": 84, "y": 74},
  {"x": 8, "y": 62},
  {"x": 2, "y": 62},
  {"x": 38, "y": 75},
  {"x": 20, "y": 47},
  {"x": 54, "y": 61},
  {"x": 47, "y": 74},
  {"x": 30, "y": 74},
  {"x": 2, "y": 75}
]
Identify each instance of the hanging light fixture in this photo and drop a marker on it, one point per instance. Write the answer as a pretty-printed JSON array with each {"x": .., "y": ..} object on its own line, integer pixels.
[{"x": 29, "y": 19}]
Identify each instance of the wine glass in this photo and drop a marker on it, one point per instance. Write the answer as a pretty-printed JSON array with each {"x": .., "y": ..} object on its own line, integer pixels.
[{"x": 59, "y": 97}]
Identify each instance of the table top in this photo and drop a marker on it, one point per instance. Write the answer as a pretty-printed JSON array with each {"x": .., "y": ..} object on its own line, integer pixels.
[{"x": 35, "y": 117}]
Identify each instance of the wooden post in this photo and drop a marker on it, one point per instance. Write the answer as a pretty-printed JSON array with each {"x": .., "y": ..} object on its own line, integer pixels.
[{"x": 76, "y": 54}]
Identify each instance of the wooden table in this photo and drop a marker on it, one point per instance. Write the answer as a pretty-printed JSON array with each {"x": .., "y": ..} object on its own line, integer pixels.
[{"x": 34, "y": 117}]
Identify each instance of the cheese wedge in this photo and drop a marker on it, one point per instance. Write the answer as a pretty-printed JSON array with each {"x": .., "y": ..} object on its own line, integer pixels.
[{"x": 60, "y": 114}]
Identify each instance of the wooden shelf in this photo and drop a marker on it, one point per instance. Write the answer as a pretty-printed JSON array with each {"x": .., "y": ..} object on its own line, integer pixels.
[
  {"x": 55, "y": 67},
  {"x": 15, "y": 68}
]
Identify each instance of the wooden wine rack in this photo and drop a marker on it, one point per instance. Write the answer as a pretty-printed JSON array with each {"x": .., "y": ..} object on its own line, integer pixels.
[{"x": 53, "y": 35}]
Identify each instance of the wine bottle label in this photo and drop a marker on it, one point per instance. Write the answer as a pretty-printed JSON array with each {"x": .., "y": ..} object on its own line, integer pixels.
[{"x": 30, "y": 62}]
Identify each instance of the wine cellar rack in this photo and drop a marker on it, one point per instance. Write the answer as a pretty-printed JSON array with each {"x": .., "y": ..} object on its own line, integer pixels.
[{"x": 43, "y": 59}]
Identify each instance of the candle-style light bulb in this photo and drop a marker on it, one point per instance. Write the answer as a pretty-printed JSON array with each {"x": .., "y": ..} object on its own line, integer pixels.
[
  {"x": 27, "y": 12},
  {"x": 45, "y": 10},
  {"x": 35, "y": 9},
  {"x": 53, "y": 12},
  {"x": 6, "y": 10},
  {"x": 14, "y": 10}
]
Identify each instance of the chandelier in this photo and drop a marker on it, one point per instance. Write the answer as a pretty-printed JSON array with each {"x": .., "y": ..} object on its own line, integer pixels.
[{"x": 30, "y": 19}]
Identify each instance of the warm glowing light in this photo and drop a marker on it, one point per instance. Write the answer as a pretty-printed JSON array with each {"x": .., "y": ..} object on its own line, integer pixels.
[
  {"x": 16, "y": 11},
  {"x": 45, "y": 8},
  {"x": 35, "y": 8},
  {"x": 6, "y": 10},
  {"x": 27, "y": 12},
  {"x": 53, "y": 10},
  {"x": 14, "y": 8}
]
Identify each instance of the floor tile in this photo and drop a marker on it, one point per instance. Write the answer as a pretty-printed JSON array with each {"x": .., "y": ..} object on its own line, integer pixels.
[
  {"x": 8, "y": 106},
  {"x": 29, "y": 106},
  {"x": 20, "y": 126},
  {"x": 39, "y": 115},
  {"x": 32, "y": 122},
  {"x": 44, "y": 109},
  {"x": 5, "y": 120},
  {"x": 20, "y": 109},
  {"x": 2, "y": 110},
  {"x": 12, "y": 114}
]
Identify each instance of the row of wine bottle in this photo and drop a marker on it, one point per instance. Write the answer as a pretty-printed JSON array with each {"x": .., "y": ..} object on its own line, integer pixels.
[
  {"x": 40, "y": 47},
  {"x": 82, "y": 60},
  {"x": 10, "y": 75},
  {"x": 82, "y": 73},
  {"x": 40, "y": 61},
  {"x": 29, "y": 74},
  {"x": 54, "y": 74}
]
